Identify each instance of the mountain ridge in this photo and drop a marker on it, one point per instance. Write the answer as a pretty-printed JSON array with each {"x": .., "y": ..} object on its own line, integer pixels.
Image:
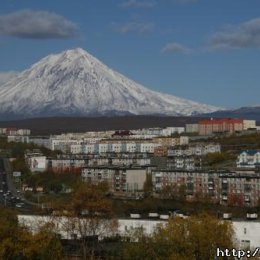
[{"x": 76, "y": 83}]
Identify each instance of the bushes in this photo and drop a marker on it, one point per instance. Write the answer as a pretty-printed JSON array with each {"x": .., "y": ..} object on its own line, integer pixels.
[{"x": 213, "y": 159}]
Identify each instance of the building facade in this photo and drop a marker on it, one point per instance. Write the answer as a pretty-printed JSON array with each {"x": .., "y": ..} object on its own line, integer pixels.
[{"x": 213, "y": 126}]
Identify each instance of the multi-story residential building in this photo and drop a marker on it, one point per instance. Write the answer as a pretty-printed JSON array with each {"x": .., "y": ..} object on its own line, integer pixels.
[
  {"x": 63, "y": 144},
  {"x": 18, "y": 138},
  {"x": 35, "y": 160},
  {"x": 208, "y": 127},
  {"x": 115, "y": 146},
  {"x": 198, "y": 149},
  {"x": 171, "y": 141},
  {"x": 41, "y": 141},
  {"x": 11, "y": 131},
  {"x": 249, "y": 124},
  {"x": 119, "y": 179},
  {"x": 161, "y": 151},
  {"x": 26, "y": 132},
  {"x": 249, "y": 159},
  {"x": 184, "y": 162},
  {"x": 240, "y": 189},
  {"x": 191, "y": 183},
  {"x": 61, "y": 165},
  {"x": 192, "y": 128},
  {"x": 168, "y": 131},
  {"x": 226, "y": 188},
  {"x": 54, "y": 143}
]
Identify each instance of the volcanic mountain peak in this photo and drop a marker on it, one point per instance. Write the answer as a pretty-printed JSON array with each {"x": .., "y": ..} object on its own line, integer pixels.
[{"x": 76, "y": 83}]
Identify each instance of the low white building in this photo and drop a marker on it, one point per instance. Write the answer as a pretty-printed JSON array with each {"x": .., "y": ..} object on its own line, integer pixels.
[
  {"x": 249, "y": 124},
  {"x": 36, "y": 163},
  {"x": 247, "y": 233}
]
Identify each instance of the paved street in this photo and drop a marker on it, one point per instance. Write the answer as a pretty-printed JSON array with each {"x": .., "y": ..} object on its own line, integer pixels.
[{"x": 9, "y": 195}]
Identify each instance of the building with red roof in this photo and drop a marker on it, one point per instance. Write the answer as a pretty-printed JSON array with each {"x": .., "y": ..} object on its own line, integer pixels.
[{"x": 228, "y": 125}]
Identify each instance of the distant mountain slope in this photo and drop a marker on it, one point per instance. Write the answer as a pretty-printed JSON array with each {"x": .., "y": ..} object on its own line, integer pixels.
[
  {"x": 54, "y": 125},
  {"x": 74, "y": 83},
  {"x": 243, "y": 112}
]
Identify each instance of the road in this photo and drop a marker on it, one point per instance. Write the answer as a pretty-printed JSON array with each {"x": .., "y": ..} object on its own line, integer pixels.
[{"x": 9, "y": 195}]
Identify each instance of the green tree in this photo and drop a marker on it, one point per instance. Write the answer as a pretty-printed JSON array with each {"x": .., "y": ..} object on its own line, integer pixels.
[
  {"x": 193, "y": 238},
  {"x": 148, "y": 186},
  {"x": 17, "y": 242},
  {"x": 88, "y": 216}
]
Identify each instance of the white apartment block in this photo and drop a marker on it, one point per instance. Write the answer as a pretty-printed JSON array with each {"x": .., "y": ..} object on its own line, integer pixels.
[
  {"x": 249, "y": 124},
  {"x": 117, "y": 147},
  {"x": 249, "y": 159},
  {"x": 192, "y": 128},
  {"x": 197, "y": 149},
  {"x": 146, "y": 147},
  {"x": 63, "y": 164},
  {"x": 18, "y": 138},
  {"x": 168, "y": 131},
  {"x": 119, "y": 179}
]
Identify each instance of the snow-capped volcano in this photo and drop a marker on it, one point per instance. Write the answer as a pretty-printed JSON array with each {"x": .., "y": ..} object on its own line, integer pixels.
[{"x": 76, "y": 83}]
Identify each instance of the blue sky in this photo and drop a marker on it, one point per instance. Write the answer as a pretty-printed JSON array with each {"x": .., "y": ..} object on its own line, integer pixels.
[{"x": 204, "y": 50}]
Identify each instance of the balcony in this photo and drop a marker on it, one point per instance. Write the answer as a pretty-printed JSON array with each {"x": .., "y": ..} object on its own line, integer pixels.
[{"x": 247, "y": 199}]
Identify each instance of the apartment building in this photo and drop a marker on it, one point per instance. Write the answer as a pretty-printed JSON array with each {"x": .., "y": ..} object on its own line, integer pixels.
[
  {"x": 171, "y": 141},
  {"x": 114, "y": 146},
  {"x": 192, "y": 128},
  {"x": 61, "y": 165},
  {"x": 192, "y": 183},
  {"x": 18, "y": 138},
  {"x": 225, "y": 188},
  {"x": 213, "y": 126},
  {"x": 35, "y": 160},
  {"x": 240, "y": 189},
  {"x": 15, "y": 131},
  {"x": 249, "y": 159},
  {"x": 198, "y": 149},
  {"x": 184, "y": 162},
  {"x": 120, "y": 179},
  {"x": 249, "y": 124}
]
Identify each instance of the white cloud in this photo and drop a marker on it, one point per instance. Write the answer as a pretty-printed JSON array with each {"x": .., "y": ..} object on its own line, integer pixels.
[
  {"x": 139, "y": 3},
  {"x": 134, "y": 26},
  {"x": 37, "y": 25},
  {"x": 175, "y": 47},
  {"x": 246, "y": 35}
]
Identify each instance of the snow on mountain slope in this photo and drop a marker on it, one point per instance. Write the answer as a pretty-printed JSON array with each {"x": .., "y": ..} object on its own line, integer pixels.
[
  {"x": 6, "y": 76},
  {"x": 75, "y": 83}
]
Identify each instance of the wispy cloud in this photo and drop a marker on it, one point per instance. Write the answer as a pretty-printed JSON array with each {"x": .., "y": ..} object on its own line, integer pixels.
[
  {"x": 246, "y": 35},
  {"x": 182, "y": 1},
  {"x": 186, "y": 1},
  {"x": 37, "y": 25},
  {"x": 134, "y": 26},
  {"x": 175, "y": 47},
  {"x": 139, "y": 3}
]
